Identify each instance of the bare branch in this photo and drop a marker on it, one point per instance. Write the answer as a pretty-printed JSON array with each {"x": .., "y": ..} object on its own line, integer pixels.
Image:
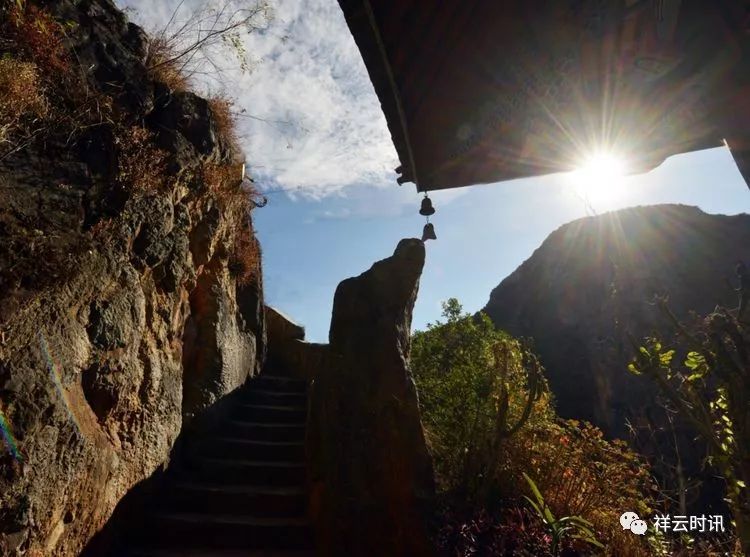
[{"x": 189, "y": 45}]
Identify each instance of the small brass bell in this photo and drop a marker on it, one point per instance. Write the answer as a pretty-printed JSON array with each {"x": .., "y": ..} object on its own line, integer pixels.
[
  {"x": 426, "y": 209},
  {"x": 428, "y": 232}
]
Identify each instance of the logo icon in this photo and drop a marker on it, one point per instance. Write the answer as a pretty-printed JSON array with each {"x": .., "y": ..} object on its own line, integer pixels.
[
  {"x": 638, "y": 527},
  {"x": 631, "y": 521}
]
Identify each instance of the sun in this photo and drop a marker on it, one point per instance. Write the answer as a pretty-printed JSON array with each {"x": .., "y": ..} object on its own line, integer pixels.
[{"x": 599, "y": 180}]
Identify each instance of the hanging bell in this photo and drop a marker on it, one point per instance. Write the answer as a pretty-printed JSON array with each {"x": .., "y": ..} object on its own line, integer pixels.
[
  {"x": 428, "y": 232},
  {"x": 426, "y": 209}
]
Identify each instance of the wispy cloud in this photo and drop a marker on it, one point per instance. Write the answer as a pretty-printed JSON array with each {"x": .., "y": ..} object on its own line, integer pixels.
[{"x": 312, "y": 121}]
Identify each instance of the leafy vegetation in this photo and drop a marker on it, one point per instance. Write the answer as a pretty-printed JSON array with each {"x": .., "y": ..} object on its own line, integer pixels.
[
  {"x": 491, "y": 423},
  {"x": 559, "y": 528},
  {"x": 477, "y": 387},
  {"x": 710, "y": 386}
]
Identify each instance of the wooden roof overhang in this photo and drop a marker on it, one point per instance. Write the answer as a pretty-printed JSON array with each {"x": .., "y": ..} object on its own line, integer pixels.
[{"x": 479, "y": 91}]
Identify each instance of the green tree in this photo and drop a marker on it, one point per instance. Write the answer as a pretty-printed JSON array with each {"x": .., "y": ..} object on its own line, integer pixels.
[
  {"x": 490, "y": 423},
  {"x": 477, "y": 387}
]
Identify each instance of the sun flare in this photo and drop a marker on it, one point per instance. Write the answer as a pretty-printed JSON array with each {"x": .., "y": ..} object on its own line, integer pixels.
[{"x": 599, "y": 179}]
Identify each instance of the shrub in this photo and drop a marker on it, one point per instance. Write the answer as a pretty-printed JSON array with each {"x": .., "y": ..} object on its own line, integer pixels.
[
  {"x": 141, "y": 166},
  {"x": 508, "y": 531},
  {"x": 195, "y": 43},
  {"x": 162, "y": 66},
  {"x": 477, "y": 386},
  {"x": 709, "y": 385},
  {"x": 245, "y": 258},
  {"x": 36, "y": 34},
  {"x": 583, "y": 474},
  {"x": 467, "y": 373},
  {"x": 560, "y": 528},
  {"x": 21, "y": 96}
]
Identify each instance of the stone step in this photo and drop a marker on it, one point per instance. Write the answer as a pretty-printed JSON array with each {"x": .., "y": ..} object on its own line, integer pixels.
[
  {"x": 246, "y": 472},
  {"x": 217, "y": 498},
  {"x": 249, "y": 449},
  {"x": 270, "y": 413},
  {"x": 273, "y": 397},
  {"x": 278, "y": 383},
  {"x": 199, "y": 531},
  {"x": 257, "y": 431}
]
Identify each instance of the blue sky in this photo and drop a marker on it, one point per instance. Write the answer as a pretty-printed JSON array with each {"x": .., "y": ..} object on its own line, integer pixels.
[
  {"x": 483, "y": 234},
  {"x": 316, "y": 133}
]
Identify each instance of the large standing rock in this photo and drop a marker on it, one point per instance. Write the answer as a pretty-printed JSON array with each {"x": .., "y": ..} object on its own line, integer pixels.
[{"x": 370, "y": 469}]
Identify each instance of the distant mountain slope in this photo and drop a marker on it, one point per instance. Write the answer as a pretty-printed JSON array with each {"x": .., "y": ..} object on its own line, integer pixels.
[{"x": 590, "y": 283}]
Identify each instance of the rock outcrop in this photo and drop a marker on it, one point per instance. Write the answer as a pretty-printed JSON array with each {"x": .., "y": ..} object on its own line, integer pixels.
[
  {"x": 592, "y": 282},
  {"x": 120, "y": 316},
  {"x": 370, "y": 471}
]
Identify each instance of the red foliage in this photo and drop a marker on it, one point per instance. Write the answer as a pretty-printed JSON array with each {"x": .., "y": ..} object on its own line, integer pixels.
[{"x": 36, "y": 33}]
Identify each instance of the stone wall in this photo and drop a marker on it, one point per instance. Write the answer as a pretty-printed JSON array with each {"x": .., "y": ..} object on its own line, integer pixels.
[{"x": 288, "y": 352}]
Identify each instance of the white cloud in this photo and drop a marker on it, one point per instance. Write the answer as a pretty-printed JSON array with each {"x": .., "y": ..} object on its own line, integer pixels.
[{"x": 313, "y": 124}]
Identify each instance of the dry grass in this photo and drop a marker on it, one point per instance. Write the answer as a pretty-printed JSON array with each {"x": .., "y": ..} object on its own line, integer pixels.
[
  {"x": 36, "y": 33},
  {"x": 45, "y": 96},
  {"x": 141, "y": 166},
  {"x": 21, "y": 96},
  {"x": 233, "y": 192},
  {"x": 223, "y": 180},
  {"x": 163, "y": 67},
  {"x": 245, "y": 259},
  {"x": 225, "y": 124},
  {"x": 227, "y": 185}
]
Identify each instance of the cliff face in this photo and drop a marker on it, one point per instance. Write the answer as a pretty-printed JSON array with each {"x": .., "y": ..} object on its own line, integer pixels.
[
  {"x": 125, "y": 309},
  {"x": 590, "y": 283}
]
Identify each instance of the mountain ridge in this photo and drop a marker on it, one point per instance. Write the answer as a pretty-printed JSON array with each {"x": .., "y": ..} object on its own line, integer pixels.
[{"x": 585, "y": 289}]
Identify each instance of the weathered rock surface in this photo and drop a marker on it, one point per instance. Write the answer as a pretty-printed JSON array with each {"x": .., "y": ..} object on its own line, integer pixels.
[
  {"x": 119, "y": 316},
  {"x": 219, "y": 350},
  {"x": 370, "y": 471},
  {"x": 592, "y": 282}
]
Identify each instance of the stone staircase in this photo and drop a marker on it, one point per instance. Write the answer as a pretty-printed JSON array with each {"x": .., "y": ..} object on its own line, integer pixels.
[{"x": 240, "y": 490}]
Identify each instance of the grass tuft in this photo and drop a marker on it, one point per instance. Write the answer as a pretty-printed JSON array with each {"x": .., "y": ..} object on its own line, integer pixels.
[
  {"x": 163, "y": 67},
  {"x": 245, "y": 258},
  {"x": 225, "y": 124},
  {"x": 21, "y": 95},
  {"x": 35, "y": 32},
  {"x": 141, "y": 166}
]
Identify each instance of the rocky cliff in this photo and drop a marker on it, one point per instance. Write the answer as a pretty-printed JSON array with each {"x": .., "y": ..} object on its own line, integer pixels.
[
  {"x": 130, "y": 292},
  {"x": 591, "y": 283}
]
